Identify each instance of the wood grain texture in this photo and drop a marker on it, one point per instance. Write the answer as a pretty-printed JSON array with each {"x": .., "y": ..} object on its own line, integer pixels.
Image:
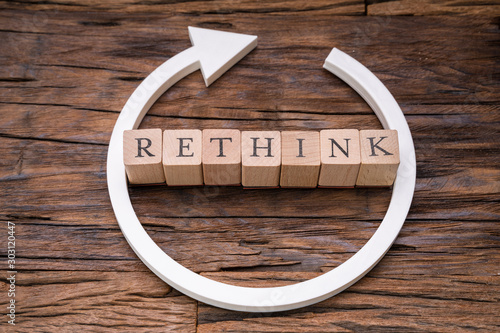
[
  {"x": 300, "y": 159},
  {"x": 433, "y": 7},
  {"x": 340, "y": 157},
  {"x": 142, "y": 156},
  {"x": 260, "y": 158},
  {"x": 69, "y": 301},
  {"x": 371, "y": 305},
  {"x": 379, "y": 157},
  {"x": 68, "y": 69},
  {"x": 203, "y": 7},
  {"x": 182, "y": 153},
  {"x": 221, "y": 156}
]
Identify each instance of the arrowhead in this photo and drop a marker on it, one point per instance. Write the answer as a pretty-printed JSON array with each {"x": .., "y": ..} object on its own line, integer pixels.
[{"x": 218, "y": 50}]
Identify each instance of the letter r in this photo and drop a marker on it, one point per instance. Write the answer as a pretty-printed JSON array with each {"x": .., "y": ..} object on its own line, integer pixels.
[{"x": 140, "y": 148}]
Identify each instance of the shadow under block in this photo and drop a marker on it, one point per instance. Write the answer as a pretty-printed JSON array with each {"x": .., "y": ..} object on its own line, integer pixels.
[
  {"x": 260, "y": 158},
  {"x": 182, "y": 157},
  {"x": 379, "y": 157},
  {"x": 340, "y": 157},
  {"x": 300, "y": 159},
  {"x": 221, "y": 156},
  {"x": 142, "y": 154}
]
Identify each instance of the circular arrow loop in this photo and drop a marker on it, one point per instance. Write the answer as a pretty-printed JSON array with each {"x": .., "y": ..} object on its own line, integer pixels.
[{"x": 261, "y": 299}]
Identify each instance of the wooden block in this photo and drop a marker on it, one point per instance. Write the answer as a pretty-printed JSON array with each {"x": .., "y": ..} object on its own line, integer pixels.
[
  {"x": 142, "y": 153},
  {"x": 340, "y": 157},
  {"x": 300, "y": 159},
  {"x": 221, "y": 157},
  {"x": 260, "y": 158},
  {"x": 379, "y": 157},
  {"x": 182, "y": 157}
]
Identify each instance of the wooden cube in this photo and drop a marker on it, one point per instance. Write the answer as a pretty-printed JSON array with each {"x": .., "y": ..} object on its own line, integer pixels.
[
  {"x": 221, "y": 157},
  {"x": 142, "y": 154},
  {"x": 182, "y": 157},
  {"x": 379, "y": 157},
  {"x": 260, "y": 158},
  {"x": 340, "y": 158},
  {"x": 300, "y": 159}
]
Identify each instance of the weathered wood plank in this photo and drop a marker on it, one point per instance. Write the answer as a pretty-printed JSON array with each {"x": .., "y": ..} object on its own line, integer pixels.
[
  {"x": 94, "y": 127},
  {"x": 197, "y": 8},
  {"x": 254, "y": 244},
  {"x": 374, "y": 304},
  {"x": 418, "y": 69},
  {"x": 69, "y": 301},
  {"x": 67, "y": 70},
  {"x": 433, "y": 7},
  {"x": 89, "y": 204}
]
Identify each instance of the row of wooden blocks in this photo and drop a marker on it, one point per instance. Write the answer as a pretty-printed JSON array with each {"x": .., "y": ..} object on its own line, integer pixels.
[{"x": 329, "y": 158}]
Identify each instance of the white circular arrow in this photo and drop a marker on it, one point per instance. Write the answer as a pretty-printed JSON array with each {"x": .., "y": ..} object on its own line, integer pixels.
[{"x": 214, "y": 52}]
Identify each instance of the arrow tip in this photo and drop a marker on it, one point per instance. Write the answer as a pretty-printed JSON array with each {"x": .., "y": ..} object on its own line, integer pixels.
[{"x": 219, "y": 50}]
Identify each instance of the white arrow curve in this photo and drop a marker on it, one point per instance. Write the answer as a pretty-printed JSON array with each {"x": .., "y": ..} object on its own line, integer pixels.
[
  {"x": 214, "y": 52},
  {"x": 214, "y": 55}
]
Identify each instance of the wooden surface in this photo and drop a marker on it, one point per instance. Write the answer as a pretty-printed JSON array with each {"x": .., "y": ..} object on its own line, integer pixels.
[{"x": 67, "y": 69}]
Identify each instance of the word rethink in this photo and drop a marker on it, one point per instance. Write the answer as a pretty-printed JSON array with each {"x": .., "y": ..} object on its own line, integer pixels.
[{"x": 328, "y": 158}]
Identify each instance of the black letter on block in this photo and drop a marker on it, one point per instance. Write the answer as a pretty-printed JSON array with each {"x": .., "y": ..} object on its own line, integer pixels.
[
  {"x": 255, "y": 147},
  {"x": 140, "y": 147},
  {"x": 300, "y": 148},
  {"x": 221, "y": 145},
  {"x": 373, "y": 146},
  {"x": 182, "y": 146},
  {"x": 346, "y": 151}
]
